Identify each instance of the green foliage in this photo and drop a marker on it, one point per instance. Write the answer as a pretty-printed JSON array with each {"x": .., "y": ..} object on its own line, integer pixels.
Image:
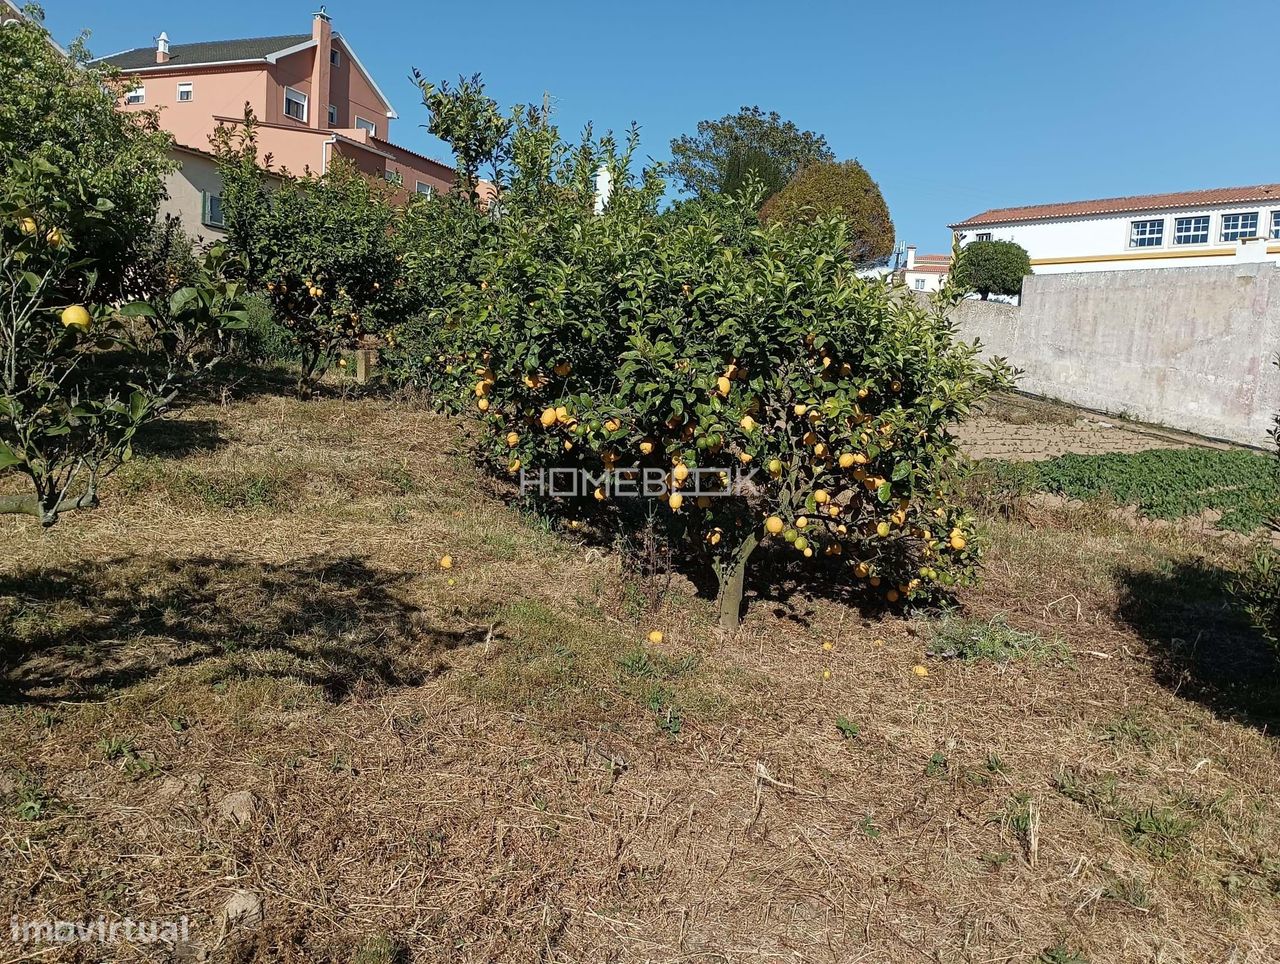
[
  {"x": 995, "y": 641},
  {"x": 264, "y": 340},
  {"x": 78, "y": 379},
  {"x": 626, "y": 341},
  {"x": 61, "y": 112},
  {"x": 848, "y": 729},
  {"x": 716, "y": 158},
  {"x": 1258, "y": 588},
  {"x": 1163, "y": 483},
  {"x": 750, "y": 171},
  {"x": 1060, "y": 953},
  {"x": 326, "y": 252},
  {"x": 992, "y": 268},
  {"x": 469, "y": 121},
  {"x": 843, "y": 190}
]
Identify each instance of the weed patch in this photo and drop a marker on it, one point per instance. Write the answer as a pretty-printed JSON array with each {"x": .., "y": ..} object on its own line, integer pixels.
[{"x": 995, "y": 641}]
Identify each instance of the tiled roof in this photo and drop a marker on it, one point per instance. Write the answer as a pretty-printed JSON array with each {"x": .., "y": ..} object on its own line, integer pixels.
[
  {"x": 209, "y": 52},
  {"x": 1141, "y": 202}
]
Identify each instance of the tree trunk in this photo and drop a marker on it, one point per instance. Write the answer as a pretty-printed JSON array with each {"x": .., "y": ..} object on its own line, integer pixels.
[
  {"x": 30, "y": 505},
  {"x": 733, "y": 578}
]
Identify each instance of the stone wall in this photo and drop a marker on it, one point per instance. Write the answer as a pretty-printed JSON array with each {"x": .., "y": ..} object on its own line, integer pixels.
[{"x": 1189, "y": 348}]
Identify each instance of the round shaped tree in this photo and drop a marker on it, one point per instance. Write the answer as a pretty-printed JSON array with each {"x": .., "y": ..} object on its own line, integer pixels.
[
  {"x": 845, "y": 189},
  {"x": 992, "y": 268}
]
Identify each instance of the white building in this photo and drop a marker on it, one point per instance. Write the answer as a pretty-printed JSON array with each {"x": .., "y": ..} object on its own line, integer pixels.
[
  {"x": 1148, "y": 231},
  {"x": 924, "y": 272}
]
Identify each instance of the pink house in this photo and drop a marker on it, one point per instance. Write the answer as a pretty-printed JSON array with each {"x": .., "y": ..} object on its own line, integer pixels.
[{"x": 312, "y": 96}]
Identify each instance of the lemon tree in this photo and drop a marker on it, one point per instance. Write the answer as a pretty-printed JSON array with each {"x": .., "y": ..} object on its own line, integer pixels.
[
  {"x": 777, "y": 397},
  {"x": 324, "y": 251},
  {"x": 79, "y": 377}
]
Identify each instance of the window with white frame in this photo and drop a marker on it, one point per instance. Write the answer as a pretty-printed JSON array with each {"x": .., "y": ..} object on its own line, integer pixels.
[
  {"x": 422, "y": 187},
  {"x": 335, "y": 57},
  {"x": 1192, "y": 230},
  {"x": 136, "y": 96},
  {"x": 366, "y": 125},
  {"x": 919, "y": 284},
  {"x": 1275, "y": 224},
  {"x": 186, "y": 93},
  {"x": 295, "y": 104},
  {"x": 1146, "y": 234},
  {"x": 333, "y": 115},
  {"x": 212, "y": 210},
  {"x": 984, "y": 235},
  {"x": 1237, "y": 226}
]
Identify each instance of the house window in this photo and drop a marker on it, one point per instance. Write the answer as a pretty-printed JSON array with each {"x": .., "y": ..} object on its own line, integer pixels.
[
  {"x": 1238, "y": 226},
  {"x": 1193, "y": 230},
  {"x": 1146, "y": 234},
  {"x": 1275, "y": 224},
  {"x": 333, "y": 116},
  {"x": 185, "y": 93},
  {"x": 984, "y": 235},
  {"x": 212, "y": 210},
  {"x": 422, "y": 187},
  {"x": 295, "y": 104},
  {"x": 136, "y": 96},
  {"x": 366, "y": 125},
  {"x": 335, "y": 57},
  {"x": 919, "y": 284}
]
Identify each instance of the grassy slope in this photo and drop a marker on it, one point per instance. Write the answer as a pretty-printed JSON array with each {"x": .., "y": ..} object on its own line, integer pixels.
[{"x": 496, "y": 770}]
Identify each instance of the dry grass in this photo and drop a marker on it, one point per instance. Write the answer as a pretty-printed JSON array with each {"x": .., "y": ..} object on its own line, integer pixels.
[{"x": 498, "y": 769}]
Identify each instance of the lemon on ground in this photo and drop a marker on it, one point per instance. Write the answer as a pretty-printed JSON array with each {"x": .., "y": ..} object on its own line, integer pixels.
[
  {"x": 826, "y": 674},
  {"x": 655, "y": 637},
  {"x": 446, "y": 562},
  {"x": 919, "y": 670},
  {"x": 828, "y": 646}
]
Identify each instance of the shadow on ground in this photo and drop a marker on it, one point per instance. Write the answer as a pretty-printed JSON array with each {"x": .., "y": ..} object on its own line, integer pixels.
[
  {"x": 90, "y": 628},
  {"x": 1205, "y": 646}
]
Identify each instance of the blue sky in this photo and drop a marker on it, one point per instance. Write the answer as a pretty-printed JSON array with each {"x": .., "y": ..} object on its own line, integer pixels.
[{"x": 952, "y": 107}]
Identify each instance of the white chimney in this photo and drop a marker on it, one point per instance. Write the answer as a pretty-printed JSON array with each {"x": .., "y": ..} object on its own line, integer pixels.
[
  {"x": 162, "y": 48},
  {"x": 911, "y": 257},
  {"x": 604, "y": 188}
]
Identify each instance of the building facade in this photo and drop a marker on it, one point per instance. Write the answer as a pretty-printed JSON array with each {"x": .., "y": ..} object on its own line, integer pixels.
[
  {"x": 313, "y": 99},
  {"x": 924, "y": 272},
  {"x": 1190, "y": 228}
]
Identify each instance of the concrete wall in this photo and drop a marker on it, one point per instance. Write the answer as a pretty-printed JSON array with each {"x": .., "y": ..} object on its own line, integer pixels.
[{"x": 1189, "y": 348}]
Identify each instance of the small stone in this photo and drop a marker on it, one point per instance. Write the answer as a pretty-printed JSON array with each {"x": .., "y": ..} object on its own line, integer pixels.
[
  {"x": 238, "y": 807},
  {"x": 8, "y": 785},
  {"x": 243, "y": 909}
]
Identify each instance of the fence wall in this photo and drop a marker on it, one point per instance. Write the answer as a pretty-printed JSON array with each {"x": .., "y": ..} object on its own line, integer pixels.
[{"x": 1189, "y": 348}]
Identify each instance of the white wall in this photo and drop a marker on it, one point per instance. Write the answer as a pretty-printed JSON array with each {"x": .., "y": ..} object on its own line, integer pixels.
[
  {"x": 1101, "y": 243},
  {"x": 1190, "y": 348}
]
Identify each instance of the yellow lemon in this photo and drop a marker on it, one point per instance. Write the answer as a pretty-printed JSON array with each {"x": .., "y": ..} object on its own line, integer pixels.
[
  {"x": 680, "y": 472},
  {"x": 882, "y": 529},
  {"x": 76, "y": 316},
  {"x": 655, "y": 637},
  {"x": 723, "y": 385},
  {"x": 919, "y": 670},
  {"x": 483, "y": 404},
  {"x": 646, "y": 447},
  {"x": 548, "y": 417},
  {"x": 828, "y": 646},
  {"x": 748, "y": 423},
  {"x": 27, "y": 226},
  {"x": 446, "y": 562},
  {"x": 513, "y": 439},
  {"x": 821, "y": 497},
  {"x": 801, "y": 522},
  {"x": 773, "y": 525},
  {"x": 676, "y": 501},
  {"x": 847, "y": 460}
]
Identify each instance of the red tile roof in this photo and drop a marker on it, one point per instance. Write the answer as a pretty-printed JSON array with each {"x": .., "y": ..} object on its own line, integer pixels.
[
  {"x": 1116, "y": 205},
  {"x": 932, "y": 263}
]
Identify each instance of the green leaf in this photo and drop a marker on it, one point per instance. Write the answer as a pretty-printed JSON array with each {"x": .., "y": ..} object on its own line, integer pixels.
[{"x": 137, "y": 309}]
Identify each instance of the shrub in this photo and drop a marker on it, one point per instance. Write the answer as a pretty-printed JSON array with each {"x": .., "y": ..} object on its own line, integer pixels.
[
  {"x": 78, "y": 378},
  {"x": 61, "y": 111},
  {"x": 323, "y": 251},
  {"x": 622, "y": 342},
  {"x": 992, "y": 268},
  {"x": 843, "y": 189}
]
